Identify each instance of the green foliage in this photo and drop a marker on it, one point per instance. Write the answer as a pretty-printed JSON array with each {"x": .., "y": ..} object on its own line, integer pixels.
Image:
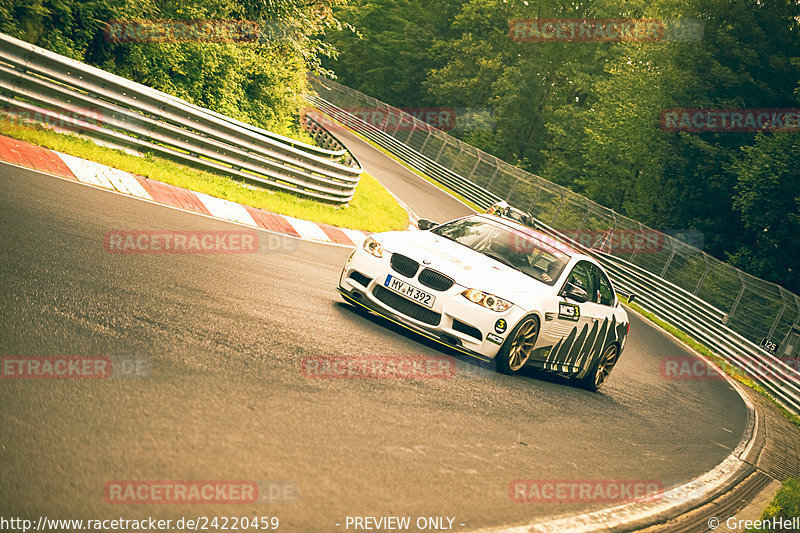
[
  {"x": 785, "y": 504},
  {"x": 586, "y": 114},
  {"x": 261, "y": 82},
  {"x": 768, "y": 200},
  {"x": 389, "y": 49}
]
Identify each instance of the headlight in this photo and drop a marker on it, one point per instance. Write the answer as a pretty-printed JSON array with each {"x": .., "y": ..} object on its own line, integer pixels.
[
  {"x": 488, "y": 301},
  {"x": 373, "y": 247}
]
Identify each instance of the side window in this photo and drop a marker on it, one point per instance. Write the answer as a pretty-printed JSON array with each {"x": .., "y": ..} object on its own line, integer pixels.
[
  {"x": 603, "y": 294},
  {"x": 581, "y": 276}
]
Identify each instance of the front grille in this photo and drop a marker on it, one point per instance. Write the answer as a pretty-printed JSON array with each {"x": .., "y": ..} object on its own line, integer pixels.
[
  {"x": 405, "y": 306},
  {"x": 472, "y": 331},
  {"x": 404, "y": 265},
  {"x": 360, "y": 278},
  {"x": 435, "y": 280}
]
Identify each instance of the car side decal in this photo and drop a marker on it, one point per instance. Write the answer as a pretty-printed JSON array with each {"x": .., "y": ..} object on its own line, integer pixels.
[
  {"x": 569, "y": 311},
  {"x": 576, "y": 349}
]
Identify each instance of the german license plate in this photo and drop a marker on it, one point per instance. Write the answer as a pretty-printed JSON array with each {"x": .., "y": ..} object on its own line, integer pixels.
[{"x": 409, "y": 291}]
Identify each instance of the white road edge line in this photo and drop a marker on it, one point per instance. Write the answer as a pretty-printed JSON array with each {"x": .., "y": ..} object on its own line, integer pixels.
[
  {"x": 397, "y": 162},
  {"x": 691, "y": 494}
]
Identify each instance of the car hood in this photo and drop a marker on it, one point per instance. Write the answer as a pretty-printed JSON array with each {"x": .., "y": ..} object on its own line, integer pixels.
[{"x": 466, "y": 266}]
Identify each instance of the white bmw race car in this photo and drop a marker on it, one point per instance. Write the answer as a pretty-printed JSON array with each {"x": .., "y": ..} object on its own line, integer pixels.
[{"x": 494, "y": 289}]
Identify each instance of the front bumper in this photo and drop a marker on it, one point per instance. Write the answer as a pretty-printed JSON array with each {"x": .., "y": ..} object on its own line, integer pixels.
[{"x": 462, "y": 325}]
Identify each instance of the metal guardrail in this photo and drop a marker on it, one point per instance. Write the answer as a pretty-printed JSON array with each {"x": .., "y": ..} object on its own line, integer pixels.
[
  {"x": 414, "y": 159},
  {"x": 324, "y": 138},
  {"x": 679, "y": 301},
  {"x": 39, "y": 84}
]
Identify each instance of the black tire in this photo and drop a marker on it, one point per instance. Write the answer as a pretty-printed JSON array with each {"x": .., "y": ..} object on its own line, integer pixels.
[
  {"x": 518, "y": 347},
  {"x": 600, "y": 369}
]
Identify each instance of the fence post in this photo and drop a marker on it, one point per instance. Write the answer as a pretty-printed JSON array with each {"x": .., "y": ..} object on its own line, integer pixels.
[
  {"x": 535, "y": 196},
  {"x": 456, "y": 158},
  {"x": 702, "y": 279},
  {"x": 735, "y": 304},
  {"x": 410, "y": 133},
  {"x": 496, "y": 170},
  {"x": 635, "y": 248},
  {"x": 583, "y": 220},
  {"x": 558, "y": 209},
  {"x": 669, "y": 260},
  {"x": 399, "y": 122},
  {"x": 441, "y": 150},
  {"x": 514, "y": 186},
  {"x": 477, "y": 162},
  {"x": 611, "y": 231},
  {"x": 422, "y": 148},
  {"x": 775, "y": 322}
]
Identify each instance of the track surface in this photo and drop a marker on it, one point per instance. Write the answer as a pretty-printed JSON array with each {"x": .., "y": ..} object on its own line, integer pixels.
[
  {"x": 423, "y": 198},
  {"x": 226, "y": 400}
]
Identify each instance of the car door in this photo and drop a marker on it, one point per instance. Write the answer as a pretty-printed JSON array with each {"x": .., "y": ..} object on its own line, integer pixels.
[
  {"x": 567, "y": 325},
  {"x": 599, "y": 311}
]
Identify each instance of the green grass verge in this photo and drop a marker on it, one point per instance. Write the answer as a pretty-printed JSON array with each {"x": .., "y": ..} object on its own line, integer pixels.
[
  {"x": 372, "y": 208},
  {"x": 785, "y": 504},
  {"x": 424, "y": 176},
  {"x": 735, "y": 372}
]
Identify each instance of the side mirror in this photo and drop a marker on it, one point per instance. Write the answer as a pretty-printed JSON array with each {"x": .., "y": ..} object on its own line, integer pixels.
[
  {"x": 424, "y": 224},
  {"x": 573, "y": 292}
]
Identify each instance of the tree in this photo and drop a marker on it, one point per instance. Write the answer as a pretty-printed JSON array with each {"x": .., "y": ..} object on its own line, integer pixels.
[
  {"x": 390, "y": 52},
  {"x": 261, "y": 82},
  {"x": 768, "y": 202}
]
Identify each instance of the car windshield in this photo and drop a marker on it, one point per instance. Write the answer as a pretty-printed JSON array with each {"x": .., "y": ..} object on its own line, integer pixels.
[{"x": 514, "y": 248}]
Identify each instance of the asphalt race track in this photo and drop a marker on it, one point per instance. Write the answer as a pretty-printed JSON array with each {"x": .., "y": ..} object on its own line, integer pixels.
[
  {"x": 225, "y": 399},
  {"x": 423, "y": 198}
]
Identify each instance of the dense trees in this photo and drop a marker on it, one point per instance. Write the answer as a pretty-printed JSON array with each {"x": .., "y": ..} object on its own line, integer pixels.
[
  {"x": 260, "y": 81},
  {"x": 586, "y": 114},
  {"x": 583, "y": 114}
]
